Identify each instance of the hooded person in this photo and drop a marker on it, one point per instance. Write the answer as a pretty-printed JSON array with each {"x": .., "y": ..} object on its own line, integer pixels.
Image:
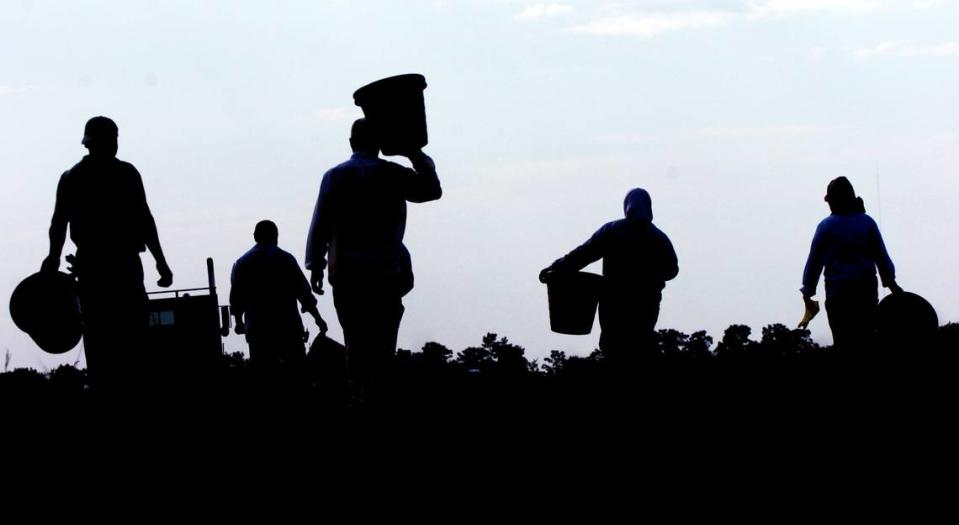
[
  {"x": 848, "y": 249},
  {"x": 638, "y": 259}
]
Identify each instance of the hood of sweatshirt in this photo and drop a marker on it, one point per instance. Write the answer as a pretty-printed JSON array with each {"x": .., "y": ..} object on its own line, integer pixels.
[{"x": 638, "y": 206}]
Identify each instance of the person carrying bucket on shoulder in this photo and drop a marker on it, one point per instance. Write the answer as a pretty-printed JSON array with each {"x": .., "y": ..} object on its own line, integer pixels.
[{"x": 638, "y": 259}]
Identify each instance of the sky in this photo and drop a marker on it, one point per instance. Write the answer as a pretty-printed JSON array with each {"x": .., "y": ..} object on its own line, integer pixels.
[{"x": 542, "y": 115}]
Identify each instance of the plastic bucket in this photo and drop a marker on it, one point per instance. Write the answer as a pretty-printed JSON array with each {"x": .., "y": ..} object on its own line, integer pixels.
[
  {"x": 394, "y": 107},
  {"x": 573, "y": 299},
  {"x": 906, "y": 319},
  {"x": 46, "y": 307}
]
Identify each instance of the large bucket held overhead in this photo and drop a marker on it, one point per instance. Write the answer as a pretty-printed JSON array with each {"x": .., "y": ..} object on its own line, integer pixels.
[
  {"x": 46, "y": 307},
  {"x": 573, "y": 299},
  {"x": 906, "y": 319},
  {"x": 394, "y": 107}
]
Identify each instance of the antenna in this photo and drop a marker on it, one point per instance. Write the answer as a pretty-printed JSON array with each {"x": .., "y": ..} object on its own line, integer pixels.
[
  {"x": 879, "y": 210},
  {"x": 878, "y": 198}
]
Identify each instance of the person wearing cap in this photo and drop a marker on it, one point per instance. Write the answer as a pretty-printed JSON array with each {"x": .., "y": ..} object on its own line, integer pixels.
[
  {"x": 638, "y": 259},
  {"x": 266, "y": 284},
  {"x": 848, "y": 248},
  {"x": 359, "y": 222},
  {"x": 103, "y": 202}
]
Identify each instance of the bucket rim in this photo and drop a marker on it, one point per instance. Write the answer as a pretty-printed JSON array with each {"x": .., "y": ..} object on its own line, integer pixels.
[{"x": 410, "y": 79}]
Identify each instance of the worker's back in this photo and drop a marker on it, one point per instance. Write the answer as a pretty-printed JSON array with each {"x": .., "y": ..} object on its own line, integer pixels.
[
  {"x": 266, "y": 285},
  {"x": 637, "y": 257},
  {"x": 105, "y": 204}
]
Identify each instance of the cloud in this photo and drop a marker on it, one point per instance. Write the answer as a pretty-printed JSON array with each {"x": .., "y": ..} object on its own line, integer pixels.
[
  {"x": 771, "y": 8},
  {"x": 786, "y": 130},
  {"x": 653, "y": 18},
  {"x": 626, "y": 138},
  {"x": 652, "y": 24},
  {"x": 338, "y": 114},
  {"x": 542, "y": 10},
  {"x": 899, "y": 49},
  {"x": 9, "y": 90}
]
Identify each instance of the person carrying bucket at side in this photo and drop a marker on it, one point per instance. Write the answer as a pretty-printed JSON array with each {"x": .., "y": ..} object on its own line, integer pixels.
[
  {"x": 638, "y": 259},
  {"x": 848, "y": 247}
]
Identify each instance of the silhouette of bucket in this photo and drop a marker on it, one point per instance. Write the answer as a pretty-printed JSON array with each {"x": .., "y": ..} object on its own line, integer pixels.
[
  {"x": 906, "y": 318},
  {"x": 573, "y": 299},
  {"x": 46, "y": 307},
  {"x": 395, "y": 109}
]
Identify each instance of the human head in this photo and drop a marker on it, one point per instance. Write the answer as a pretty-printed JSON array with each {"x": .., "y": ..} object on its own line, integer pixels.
[
  {"x": 363, "y": 137},
  {"x": 842, "y": 197},
  {"x": 266, "y": 232},
  {"x": 100, "y": 137},
  {"x": 638, "y": 206}
]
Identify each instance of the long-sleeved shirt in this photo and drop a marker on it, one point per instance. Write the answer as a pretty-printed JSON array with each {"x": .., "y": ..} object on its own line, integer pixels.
[
  {"x": 360, "y": 219},
  {"x": 850, "y": 248},
  {"x": 638, "y": 258},
  {"x": 266, "y": 284}
]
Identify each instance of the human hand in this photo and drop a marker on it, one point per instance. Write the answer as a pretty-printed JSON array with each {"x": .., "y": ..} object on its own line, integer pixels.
[
  {"x": 812, "y": 308},
  {"x": 166, "y": 275},
  {"x": 72, "y": 264},
  {"x": 316, "y": 281},
  {"x": 51, "y": 264},
  {"x": 545, "y": 275},
  {"x": 320, "y": 323},
  {"x": 895, "y": 288}
]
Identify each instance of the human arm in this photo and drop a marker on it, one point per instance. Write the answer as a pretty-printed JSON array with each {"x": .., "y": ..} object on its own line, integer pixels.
[
  {"x": 237, "y": 299},
  {"x": 320, "y": 234},
  {"x": 58, "y": 228},
  {"x": 887, "y": 271},
  {"x": 421, "y": 183},
  {"x": 304, "y": 295},
  {"x": 814, "y": 265},
  {"x": 152, "y": 238},
  {"x": 589, "y": 252}
]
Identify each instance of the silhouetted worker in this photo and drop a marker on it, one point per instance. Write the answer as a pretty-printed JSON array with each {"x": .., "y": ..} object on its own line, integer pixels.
[
  {"x": 266, "y": 285},
  {"x": 360, "y": 220},
  {"x": 638, "y": 259},
  {"x": 848, "y": 245},
  {"x": 103, "y": 201}
]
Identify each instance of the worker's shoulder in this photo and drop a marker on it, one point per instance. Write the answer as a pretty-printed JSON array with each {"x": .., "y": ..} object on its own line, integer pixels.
[
  {"x": 124, "y": 165},
  {"x": 342, "y": 169},
  {"x": 75, "y": 170},
  {"x": 390, "y": 165},
  {"x": 246, "y": 257},
  {"x": 611, "y": 227},
  {"x": 829, "y": 221},
  {"x": 366, "y": 162},
  {"x": 866, "y": 219},
  {"x": 125, "y": 168},
  {"x": 660, "y": 234},
  {"x": 286, "y": 256},
  {"x": 847, "y": 220}
]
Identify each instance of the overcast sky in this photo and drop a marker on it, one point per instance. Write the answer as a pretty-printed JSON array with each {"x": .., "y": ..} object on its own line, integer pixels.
[{"x": 542, "y": 115}]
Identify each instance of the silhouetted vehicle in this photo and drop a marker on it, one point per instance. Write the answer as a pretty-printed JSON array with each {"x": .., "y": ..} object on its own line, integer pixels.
[{"x": 186, "y": 330}]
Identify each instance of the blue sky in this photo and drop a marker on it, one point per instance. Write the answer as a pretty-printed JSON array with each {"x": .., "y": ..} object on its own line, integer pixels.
[{"x": 733, "y": 114}]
